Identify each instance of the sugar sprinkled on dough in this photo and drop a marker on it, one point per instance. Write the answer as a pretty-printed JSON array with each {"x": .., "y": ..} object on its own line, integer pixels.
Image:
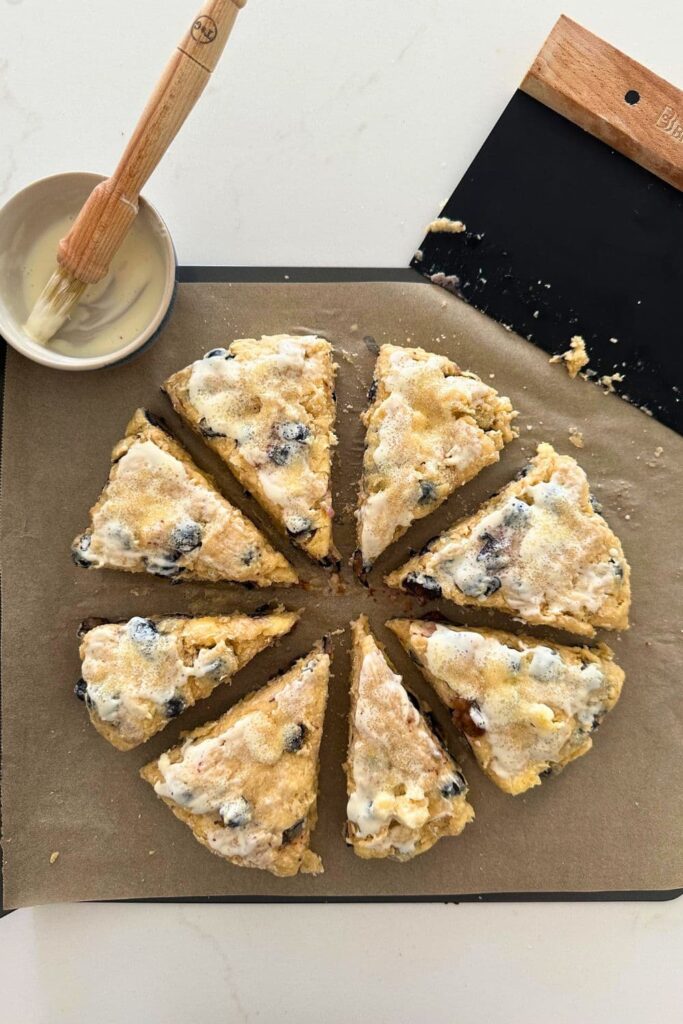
[{"x": 431, "y": 425}]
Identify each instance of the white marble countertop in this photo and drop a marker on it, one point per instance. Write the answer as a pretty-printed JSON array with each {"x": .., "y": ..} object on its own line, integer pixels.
[{"x": 330, "y": 136}]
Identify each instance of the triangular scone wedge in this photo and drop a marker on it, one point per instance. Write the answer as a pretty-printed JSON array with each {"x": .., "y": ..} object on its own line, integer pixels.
[
  {"x": 268, "y": 409},
  {"x": 247, "y": 784},
  {"x": 527, "y": 708},
  {"x": 138, "y": 675},
  {"x": 159, "y": 513},
  {"x": 430, "y": 429},
  {"x": 405, "y": 791},
  {"x": 537, "y": 550}
]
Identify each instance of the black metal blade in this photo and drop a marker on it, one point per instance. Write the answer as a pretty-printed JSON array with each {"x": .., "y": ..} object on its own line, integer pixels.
[{"x": 565, "y": 236}]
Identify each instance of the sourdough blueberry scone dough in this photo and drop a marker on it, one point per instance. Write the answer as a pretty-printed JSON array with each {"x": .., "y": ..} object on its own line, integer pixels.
[
  {"x": 404, "y": 790},
  {"x": 268, "y": 409},
  {"x": 527, "y": 707},
  {"x": 247, "y": 784},
  {"x": 158, "y": 513},
  {"x": 138, "y": 675},
  {"x": 430, "y": 429},
  {"x": 538, "y": 550}
]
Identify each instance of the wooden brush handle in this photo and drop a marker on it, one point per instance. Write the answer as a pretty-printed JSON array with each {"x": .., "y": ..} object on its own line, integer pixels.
[
  {"x": 109, "y": 212},
  {"x": 613, "y": 97}
]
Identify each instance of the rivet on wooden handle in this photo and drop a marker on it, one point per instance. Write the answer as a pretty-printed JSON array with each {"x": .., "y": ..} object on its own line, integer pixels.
[{"x": 612, "y": 96}]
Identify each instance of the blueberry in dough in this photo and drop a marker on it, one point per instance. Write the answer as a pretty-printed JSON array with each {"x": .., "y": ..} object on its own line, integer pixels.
[
  {"x": 422, "y": 585},
  {"x": 291, "y": 833},
  {"x": 78, "y": 552},
  {"x": 165, "y": 569},
  {"x": 492, "y": 553},
  {"x": 617, "y": 568},
  {"x": 299, "y": 526},
  {"x": 491, "y": 546},
  {"x": 184, "y": 796},
  {"x": 207, "y": 431},
  {"x": 454, "y": 786},
  {"x": 156, "y": 421},
  {"x": 235, "y": 813},
  {"x": 281, "y": 454},
  {"x": 481, "y": 586},
  {"x": 293, "y": 431},
  {"x": 214, "y": 668},
  {"x": 185, "y": 537},
  {"x": 427, "y": 492},
  {"x": 142, "y": 631},
  {"x": 249, "y": 556},
  {"x": 80, "y": 561},
  {"x": 295, "y": 736},
  {"x": 472, "y": 721},
  {"x": 174, "y": 707},
  {"x": 219, "y": 353},
  {"x": 517, "y": 514},
  {"x": 81, "y": 689}
]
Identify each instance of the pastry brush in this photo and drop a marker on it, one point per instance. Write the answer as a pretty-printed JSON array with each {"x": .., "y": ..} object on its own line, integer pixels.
[{"x": 85, "y": 254}]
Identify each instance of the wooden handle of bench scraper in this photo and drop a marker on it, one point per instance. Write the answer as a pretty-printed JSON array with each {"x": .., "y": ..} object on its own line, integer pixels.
[
  {"x": 613, "y": 97},
  {"x": 104, "y": 221}
]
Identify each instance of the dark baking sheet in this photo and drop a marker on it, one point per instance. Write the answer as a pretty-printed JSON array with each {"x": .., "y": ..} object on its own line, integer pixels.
[{"x": 392, "y": 313}]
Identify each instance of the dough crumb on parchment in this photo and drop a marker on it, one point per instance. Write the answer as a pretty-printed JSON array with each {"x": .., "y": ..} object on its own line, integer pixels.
[
  {"x": 576, "y": 437},
  {"x": 607, "y": 380}
]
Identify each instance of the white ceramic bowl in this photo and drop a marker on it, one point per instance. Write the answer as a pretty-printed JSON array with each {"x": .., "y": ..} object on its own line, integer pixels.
[{"x": 23, "y": 220}]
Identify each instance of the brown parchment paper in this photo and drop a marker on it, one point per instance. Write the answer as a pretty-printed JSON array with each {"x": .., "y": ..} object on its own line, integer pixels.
[{"x": 611, "y": 821}]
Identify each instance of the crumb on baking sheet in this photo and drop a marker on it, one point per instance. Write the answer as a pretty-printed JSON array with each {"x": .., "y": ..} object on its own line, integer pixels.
[
  {"x": 454, "y": 227},
  {"x": 575, "y": 358},
  {"x": 607, "y": 380},
  {"x": 576, "y": 437},
  {"x": 451, "y": 282},
  {"x": 54, "y": 856}
]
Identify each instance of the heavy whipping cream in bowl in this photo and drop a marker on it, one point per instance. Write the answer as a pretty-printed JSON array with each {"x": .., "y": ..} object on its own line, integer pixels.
[{"x": 115, "y": 317}]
